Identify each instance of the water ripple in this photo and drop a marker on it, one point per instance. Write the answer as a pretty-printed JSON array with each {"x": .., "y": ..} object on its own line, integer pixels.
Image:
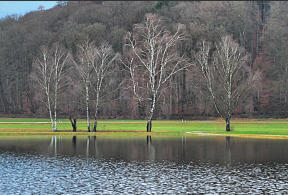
[{"x": 42, "y": 174}]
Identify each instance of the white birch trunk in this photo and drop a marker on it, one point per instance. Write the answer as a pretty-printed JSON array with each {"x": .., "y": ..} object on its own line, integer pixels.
[
  {"x": 152, "y": 107},
  {"x": 50, "y": 73},
  {"x": 55, "y": 107},
  {"x": 87, "y": 107},
  {"x": 153, "y": 104},
  {"x": 96, "y": 111},
  {"x": 50, "y": 111}
]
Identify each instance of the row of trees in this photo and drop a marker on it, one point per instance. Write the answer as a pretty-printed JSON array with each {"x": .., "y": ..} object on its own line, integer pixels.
[
  {"x": 257, "y": 26},
  {"x": 92, "y": 65},
  {"x": 151, "y": 59}
]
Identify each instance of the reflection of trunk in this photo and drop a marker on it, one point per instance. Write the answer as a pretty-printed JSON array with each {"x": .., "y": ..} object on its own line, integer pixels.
[
  {"x": 95, "y": 147},
  {"x": 227, "y": 123},
  {"x": 151, "y": 149},
  {"x": 53, "y": 144},
  {"x": 73, "y": 123},
  {"x": 148, "y": 139},
  {"x": 228, "y": 150},
  {"x": 183, "y": 143},
  {"x": 74, "y": 143},
  {"x": 87, "y": 146}
]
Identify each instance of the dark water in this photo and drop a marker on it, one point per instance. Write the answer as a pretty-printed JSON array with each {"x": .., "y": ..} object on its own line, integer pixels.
[{"x": 145, "y": 165}]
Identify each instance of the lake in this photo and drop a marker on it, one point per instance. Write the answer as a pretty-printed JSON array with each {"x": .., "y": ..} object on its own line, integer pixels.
[{"x": 142, "y": 165}]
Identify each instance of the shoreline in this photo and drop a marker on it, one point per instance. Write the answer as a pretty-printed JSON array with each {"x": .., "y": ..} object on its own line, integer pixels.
[
  {"x": 40, "y": 132},
  {"x": 257, "y": 136},
  {"x": 252, "y": 128}
]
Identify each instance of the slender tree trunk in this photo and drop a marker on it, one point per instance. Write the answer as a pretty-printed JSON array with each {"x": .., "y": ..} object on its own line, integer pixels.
[
  {"x": 50, "y": 112},
  {"x": 149, "y": 122},
  {"x": 96, "y": 112},
  {"x": 73, "y": 123},
  {"x": 227, "y": 123},
  {"x": 55, "y": 108},
  {"x": 87, "y": 107},
  {"x": 55, "y": 121},
  {"x": 95, "y": 125},
  {"x": 171, "y": 100},
  {"x": 149, "y": 125}
]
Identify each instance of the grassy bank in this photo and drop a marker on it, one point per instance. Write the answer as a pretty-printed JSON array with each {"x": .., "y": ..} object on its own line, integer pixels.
[{"x": 136, "y": 127}]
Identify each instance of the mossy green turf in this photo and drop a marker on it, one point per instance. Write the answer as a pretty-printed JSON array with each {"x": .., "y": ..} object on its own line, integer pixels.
[{"x": 173, "y": 127}]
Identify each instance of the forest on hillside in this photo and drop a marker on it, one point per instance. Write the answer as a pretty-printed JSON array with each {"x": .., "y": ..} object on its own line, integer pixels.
[{"x": 259, "y": 27}]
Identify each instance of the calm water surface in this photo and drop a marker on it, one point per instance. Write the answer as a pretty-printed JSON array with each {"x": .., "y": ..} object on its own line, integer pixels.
[{"x": 145, "y": 165}]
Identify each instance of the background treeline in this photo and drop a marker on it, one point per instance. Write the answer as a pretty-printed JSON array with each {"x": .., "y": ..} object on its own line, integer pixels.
[{"x": 258, "y": 26}]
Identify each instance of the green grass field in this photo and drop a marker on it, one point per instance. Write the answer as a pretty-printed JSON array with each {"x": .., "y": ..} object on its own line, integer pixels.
[{"x": 171, "y": 127}]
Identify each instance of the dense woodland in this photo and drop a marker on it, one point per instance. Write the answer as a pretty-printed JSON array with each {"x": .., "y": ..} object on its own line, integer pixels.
[{"x": 261, "y": 27}]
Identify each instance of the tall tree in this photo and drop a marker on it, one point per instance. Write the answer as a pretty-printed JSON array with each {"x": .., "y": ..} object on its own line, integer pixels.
[
  {"x": 94, "y": 64},
  {"x": 152, "y": 59},
  {"x": 227, "y": 75},
  {"x": 83, "y": 65},
  {"x": 102, "y": 59},
  {"x": 50, "y": 73}
]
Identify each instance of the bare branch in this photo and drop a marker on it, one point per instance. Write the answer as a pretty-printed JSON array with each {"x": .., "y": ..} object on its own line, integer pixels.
[{"x": 152, "y": 59}]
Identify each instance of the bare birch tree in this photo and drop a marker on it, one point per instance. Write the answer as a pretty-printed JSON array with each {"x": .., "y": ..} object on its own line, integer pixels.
[
  {"x": 94, "y": 64},
  {"x": 50, "y": 70},
  {"x": 84, "y": 67},
  {"x": 44, "y": 74},
  {"x": 152, "y": 59},
  {"x": 102, "y": 59},
  {"x": 226, "y": 75}
]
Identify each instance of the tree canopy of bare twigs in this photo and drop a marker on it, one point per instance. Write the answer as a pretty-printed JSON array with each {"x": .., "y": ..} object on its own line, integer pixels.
[
  {"x": 84, "y": 68},
  {"x": 50, "y": 69},
  {"x": 94, "y": 64},
  {"x": 226, "y": 74},
  {"x": 103, "y": 60},
  {"x": 152, "y": 59}
]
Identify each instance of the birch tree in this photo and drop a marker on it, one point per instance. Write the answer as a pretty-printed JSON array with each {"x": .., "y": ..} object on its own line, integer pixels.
[
  {"x": 226, "y": 75},
  {"x": 94, "y": 64},
  {"x": 103, "y": 60},
  {"x": 152, "y": 59},
  {"x": 50, "y": 71},
  {"x": 84, "y": 67}
]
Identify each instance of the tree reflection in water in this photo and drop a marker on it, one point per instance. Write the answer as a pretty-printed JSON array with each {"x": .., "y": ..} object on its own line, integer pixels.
[
  {"x": 217, "y": 149},
  {"x": 53, "y": 145},
  {"x": 151, "y": 148},
  {"x": 87, "y": 147},
  {"x": 228, "y": 151},
  {"x": 74, "y": 144}
]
